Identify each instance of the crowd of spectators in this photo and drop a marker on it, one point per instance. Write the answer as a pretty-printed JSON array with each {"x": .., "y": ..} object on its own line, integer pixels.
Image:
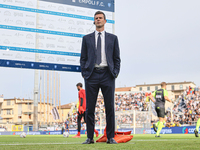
[
  {"x": 186, "y": 109},
  {"x": 123, "y": 102}
]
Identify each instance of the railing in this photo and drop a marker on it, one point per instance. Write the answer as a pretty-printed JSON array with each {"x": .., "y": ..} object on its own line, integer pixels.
[
  {"x": 7, "y": 116},
  {"x": 26, "y": 110},
  {"x": 7, "y": 106}
]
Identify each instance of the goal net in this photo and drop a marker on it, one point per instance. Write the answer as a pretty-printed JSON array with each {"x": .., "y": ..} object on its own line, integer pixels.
[{"x": 139, "y": 122}]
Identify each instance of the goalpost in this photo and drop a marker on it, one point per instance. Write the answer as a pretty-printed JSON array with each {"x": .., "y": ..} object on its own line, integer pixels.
[{"x": 139, "y": 122}]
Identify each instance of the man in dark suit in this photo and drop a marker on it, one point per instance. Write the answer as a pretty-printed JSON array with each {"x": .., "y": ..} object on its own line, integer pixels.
[{"x": 100, "y": 65}]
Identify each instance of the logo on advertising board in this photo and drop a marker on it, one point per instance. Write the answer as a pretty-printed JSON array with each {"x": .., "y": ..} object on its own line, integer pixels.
[
  {"x": 33, "y": 133},
  {"x": 144, "y": 131},
  {"x": 20, "y": 2},
  {"x": 8, "y": 1},
  {"x": 54, "y": 133},
  {"x": 61, "y": 8},
  {"x": 91, "y": 2},
  {"x": 29, "y": 36},
  {"x": 18, "y": 14},
  {"x": 107, "y": 5},
  {"x": 185, "y": 130},
  {"x": 30, "y": 3},
  {"x": 191, "y": 130},
  {"x": 6, "y": 41},
  {"x": 73, "y": 132},
  {"x": 7, "y": 13}
]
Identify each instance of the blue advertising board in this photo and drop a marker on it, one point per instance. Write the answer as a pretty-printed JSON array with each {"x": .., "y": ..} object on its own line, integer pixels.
[
  {"x": 107, "y": 5},
  {"x": 59, "y": 132},
  {"x": 172, "y": 130},
  {"x": 166, "y": 130},
  {"x": 47, "y": 34}
]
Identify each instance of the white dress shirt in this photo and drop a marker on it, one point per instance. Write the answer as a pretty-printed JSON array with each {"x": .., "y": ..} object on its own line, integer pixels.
[{"x": 103, "y": 53}]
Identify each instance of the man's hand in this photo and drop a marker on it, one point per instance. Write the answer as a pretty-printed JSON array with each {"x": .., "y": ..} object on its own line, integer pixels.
[{"x": 81, "y": 110}]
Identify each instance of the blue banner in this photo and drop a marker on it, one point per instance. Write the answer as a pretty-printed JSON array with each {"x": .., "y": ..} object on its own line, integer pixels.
[
  {"x": 50, "y": 12},
  {"x": 59, "y": 132},
  {"x": 177, "y": 130},
  {"x": 38, "y": 65},
  {"x": 166, "y": 130},
  {"x": 172, "y": 130},
  {"x": 23, "y": 49},
  {"x": 107, "y": 5},
  {"x": 41, "y": 31}
]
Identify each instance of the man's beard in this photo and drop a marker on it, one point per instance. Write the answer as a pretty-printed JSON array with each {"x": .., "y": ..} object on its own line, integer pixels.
[{"x": 100, "y": 26}]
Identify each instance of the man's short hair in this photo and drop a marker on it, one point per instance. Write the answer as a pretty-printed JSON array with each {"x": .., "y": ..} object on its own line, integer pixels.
[
  {"x": 100, "y": 12},
  {"x": 163, "y": 84},
  {"x": 79, "y": 84}
]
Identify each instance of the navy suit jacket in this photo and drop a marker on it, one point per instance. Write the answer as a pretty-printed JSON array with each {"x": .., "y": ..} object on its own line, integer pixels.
[{"x": 88, "y": 54}]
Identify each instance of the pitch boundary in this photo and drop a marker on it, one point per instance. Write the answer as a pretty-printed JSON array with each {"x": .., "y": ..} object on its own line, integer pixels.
[
  {"x": 130, "y": 142},
  {"x": 40, "y": 143},
  {"x": 162, "y": 140}
]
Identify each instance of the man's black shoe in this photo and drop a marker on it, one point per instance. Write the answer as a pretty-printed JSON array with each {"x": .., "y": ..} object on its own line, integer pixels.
[
  {"x": 196, "y": 133},
  {"x": 157, "y": 136},
  {"x": 111, "y": 141},
  {"x": 154, "y": 127},
  {"x": 88, "y": 141}
]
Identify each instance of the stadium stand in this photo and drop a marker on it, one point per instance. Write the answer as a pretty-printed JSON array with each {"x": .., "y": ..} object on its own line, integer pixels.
[{"x": 186, "y": 109}]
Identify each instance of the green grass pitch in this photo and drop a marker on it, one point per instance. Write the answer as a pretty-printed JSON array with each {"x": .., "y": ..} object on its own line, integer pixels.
[{"x": 57, "y": 142}]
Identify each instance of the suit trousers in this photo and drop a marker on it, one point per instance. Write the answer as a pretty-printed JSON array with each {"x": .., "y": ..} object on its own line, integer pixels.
[{"x": 100, "y": 79}]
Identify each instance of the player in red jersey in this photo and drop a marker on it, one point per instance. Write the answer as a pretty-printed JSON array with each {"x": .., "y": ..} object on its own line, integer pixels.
[{"x": 82, "y": 109}]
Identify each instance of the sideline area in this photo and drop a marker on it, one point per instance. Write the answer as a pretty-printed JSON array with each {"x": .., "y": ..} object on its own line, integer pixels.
[{"x": 140, "y": 141}]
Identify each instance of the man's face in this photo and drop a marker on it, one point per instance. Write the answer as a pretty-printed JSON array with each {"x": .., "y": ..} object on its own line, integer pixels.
[
  {"x": 78, "y": 88},
  {"x": 99, "y": 20}
]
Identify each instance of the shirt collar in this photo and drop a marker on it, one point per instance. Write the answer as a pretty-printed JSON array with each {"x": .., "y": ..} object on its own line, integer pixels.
[{"x": 102, "y": 32}]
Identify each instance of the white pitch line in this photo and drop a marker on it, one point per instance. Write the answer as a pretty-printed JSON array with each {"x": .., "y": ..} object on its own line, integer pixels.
[
  {"x": 130, "y": 142},
  {"x": 162, "y": 140},
  {"x": 40, "y": 143}
]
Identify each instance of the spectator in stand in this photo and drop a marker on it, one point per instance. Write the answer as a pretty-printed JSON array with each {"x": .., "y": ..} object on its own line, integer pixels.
[{"x": 186, "y": 109}]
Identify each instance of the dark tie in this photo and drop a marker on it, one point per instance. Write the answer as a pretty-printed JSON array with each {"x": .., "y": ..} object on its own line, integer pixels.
[{"x": 98, "y": 61}]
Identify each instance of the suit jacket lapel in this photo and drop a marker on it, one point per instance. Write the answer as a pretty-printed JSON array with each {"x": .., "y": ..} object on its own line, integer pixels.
[{"x": 92, "y": 36}]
